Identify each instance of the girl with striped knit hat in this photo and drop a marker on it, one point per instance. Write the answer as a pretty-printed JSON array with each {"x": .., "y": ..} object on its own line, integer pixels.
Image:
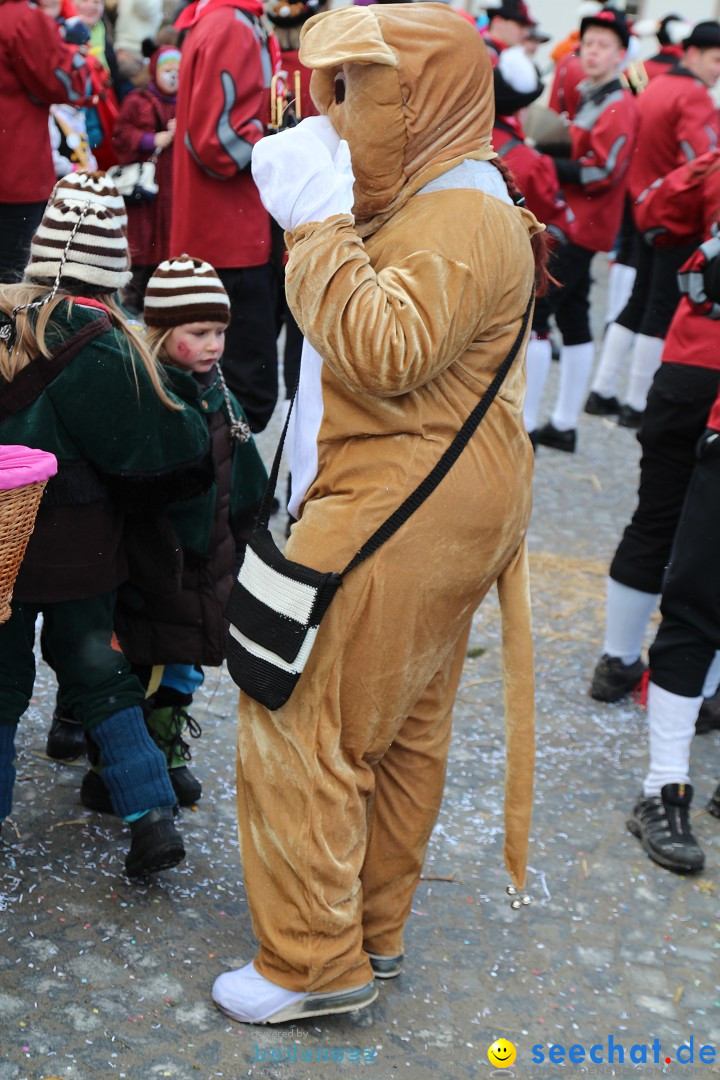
[
  {"x": 168, "y": 637},
  {"x": 75, "y": 380}
]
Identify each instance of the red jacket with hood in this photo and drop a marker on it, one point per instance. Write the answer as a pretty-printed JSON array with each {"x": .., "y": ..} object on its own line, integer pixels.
[
  {"x": 37, "y": 69},
  {"x": 223, "y": 109}
]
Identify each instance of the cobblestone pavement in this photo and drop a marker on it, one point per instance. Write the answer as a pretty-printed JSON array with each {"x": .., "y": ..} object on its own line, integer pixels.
[{"x": 100, "y": 978}]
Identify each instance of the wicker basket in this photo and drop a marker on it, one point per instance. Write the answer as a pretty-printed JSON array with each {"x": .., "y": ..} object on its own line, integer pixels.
[{"x": 18, "y": 509}]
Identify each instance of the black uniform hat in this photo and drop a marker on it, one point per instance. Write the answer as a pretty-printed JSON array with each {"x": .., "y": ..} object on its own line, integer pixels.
[
  {"x": 704, "y": 35},
  {"x": 515, "y": 10},
  {"x": 611, "y": 19}
]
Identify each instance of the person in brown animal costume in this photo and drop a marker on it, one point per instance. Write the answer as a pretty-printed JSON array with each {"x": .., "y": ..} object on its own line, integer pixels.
[{"x": 409, "y": 276}]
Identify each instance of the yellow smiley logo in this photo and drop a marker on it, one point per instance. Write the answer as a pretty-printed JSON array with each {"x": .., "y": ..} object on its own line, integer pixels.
[{"x": 502, "y": 1054}]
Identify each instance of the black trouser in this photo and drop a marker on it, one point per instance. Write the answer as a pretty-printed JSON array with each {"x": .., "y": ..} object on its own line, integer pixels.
[
  {"x": 655, "y": 293},
  {"x": 250, "y": 359},
  {"x": 689, "y": 633},
  {"x": 570, "y": 301},
  {"x": 18, "y": 222},
  {"x": 678, "y": 405},
  {"x": 628, "y": 239},
  {"x": 96, "y": 679}
]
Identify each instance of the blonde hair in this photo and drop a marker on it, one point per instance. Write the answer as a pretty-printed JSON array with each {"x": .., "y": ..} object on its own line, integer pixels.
[
  {"x": 155, "y": 338},
  {"x": 30, "y": 341}
]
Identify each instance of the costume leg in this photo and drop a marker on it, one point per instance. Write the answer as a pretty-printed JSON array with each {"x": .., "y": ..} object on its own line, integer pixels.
[
  {"x": 403, "y": 814},
  {"x": 306, "y": 771}
]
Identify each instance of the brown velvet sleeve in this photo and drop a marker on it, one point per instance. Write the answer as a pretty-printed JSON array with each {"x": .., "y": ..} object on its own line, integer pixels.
[{"x": 383, "y": 333}]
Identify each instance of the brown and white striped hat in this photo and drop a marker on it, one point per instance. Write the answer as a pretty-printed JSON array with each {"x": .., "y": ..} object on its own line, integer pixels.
[
  {"x": 95, "y": 186},
  {"x": 82, "y": 240},
  {"x": 185, "y": 290}
]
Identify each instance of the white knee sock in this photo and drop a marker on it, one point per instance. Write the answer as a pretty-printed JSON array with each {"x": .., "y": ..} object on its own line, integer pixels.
[
  {"x": 647, "y": 353},
  {"x": 576, "y": 363},
  {"x": 616, "y": 347},
  {"x": 671, "y": 721},
  {"x": 712, "y": 679},
  {"x": 627, "y": 613},
  {"x": 539, "y": 355},
  {"x": 621, "y": 279}
]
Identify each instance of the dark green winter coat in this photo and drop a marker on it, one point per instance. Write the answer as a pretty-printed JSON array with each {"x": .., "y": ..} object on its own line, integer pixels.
[
  {"x": 188, "y": 626},
  {"x": 119, "y": 449}
]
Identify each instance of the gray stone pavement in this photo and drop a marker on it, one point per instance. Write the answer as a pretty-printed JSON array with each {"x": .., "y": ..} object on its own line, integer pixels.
[{"x": 101, "y": 978}]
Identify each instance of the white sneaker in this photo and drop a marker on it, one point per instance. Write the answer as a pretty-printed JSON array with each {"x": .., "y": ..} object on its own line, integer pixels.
[{"x": 248, "y": 997}]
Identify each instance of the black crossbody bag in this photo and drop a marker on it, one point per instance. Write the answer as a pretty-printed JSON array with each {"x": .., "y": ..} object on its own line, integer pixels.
[{"x": 276, "y": 605}]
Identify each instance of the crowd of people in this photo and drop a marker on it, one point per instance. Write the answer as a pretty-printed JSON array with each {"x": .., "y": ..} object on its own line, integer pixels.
[{"x": 411, "y": 238}]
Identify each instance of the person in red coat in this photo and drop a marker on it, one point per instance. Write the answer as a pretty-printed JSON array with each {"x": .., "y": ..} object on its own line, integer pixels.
[
  {"x": 594, "y": 181},
  {"x": 680, "y": 398},
  {"x": 223, "y": 110},
  {"x": 670, "y": 540},
  {"x": 37, "y": 69},
  {"x": 144, "y": 128},
  {"x": 678, "y": 123}
]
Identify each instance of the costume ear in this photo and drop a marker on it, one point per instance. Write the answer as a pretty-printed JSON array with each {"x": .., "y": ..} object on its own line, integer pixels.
[{"x": 353, "y": 37}]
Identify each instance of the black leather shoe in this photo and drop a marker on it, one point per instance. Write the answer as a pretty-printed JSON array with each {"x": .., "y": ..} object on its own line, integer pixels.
[
  {"x": 156, "y": 844},
  {"x": 662, "y": 824},
  {"x": 629, "y": 417},
  {"x": 599, "y": 405},
  {"x": 612, "y": 679},
  {"x": 66, "y": 738},
  {"x": 548, "y": 435}
]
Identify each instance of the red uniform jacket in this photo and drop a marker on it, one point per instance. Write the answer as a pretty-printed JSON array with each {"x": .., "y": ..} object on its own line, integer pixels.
[
  {"x": 680, "y": 207},
  {"x": 37, "y": 69},
  {"x": 694, "y": 334},
  {"x": 565, "y": 94},
  {"x": 678, "y": 123},
  {"x": 535, "y": 176},
  {"x": 223, "y": 109},
  {"x": 595, "y": 180},
  {"x": 669, "y": 57}
]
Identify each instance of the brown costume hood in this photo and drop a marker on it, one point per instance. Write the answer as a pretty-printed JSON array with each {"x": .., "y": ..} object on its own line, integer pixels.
[{"x": 403, "y": 130}]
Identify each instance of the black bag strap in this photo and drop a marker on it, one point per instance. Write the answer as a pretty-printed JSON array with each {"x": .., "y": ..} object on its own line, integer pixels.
[
  {"x": 29, "y": 383},
  {"x": 426, "y": 487}
]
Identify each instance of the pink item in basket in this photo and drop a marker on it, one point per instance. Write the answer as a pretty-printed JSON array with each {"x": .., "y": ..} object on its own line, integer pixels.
[{"x": 21, "y": 465}]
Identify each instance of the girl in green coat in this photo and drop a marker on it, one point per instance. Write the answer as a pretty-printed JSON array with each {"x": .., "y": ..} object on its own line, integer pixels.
[{"x": 76, "y": 381}]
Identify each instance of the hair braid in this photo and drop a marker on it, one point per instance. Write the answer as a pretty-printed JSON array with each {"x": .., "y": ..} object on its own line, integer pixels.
[{"x": 539, "y": 242}]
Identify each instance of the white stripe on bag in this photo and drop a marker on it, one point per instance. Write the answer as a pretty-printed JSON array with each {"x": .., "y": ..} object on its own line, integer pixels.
[
  {"x": 290, "y": 598},
  {"x": 270, "y": 657}
]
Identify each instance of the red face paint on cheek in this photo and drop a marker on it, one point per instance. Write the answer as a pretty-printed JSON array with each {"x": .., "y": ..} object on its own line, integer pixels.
[{"x": 182, "y": 348}]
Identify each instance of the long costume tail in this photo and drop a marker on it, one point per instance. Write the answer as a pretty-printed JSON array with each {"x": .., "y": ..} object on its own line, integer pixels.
[{"x": 519, "y": 686}]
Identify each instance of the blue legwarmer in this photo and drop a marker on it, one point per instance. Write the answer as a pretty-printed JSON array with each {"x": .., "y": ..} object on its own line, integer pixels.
[{"x": 134, "y": 769}]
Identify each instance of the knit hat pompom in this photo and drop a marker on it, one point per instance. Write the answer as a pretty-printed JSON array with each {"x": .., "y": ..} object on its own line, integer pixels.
[
  {"x": 79, "y": 240},
  {"x": 185, "y": 290},
  {"x": 516, "y": 80},
  {"x": 94, "y": 187},
  {"x": 518, "y": 69}
]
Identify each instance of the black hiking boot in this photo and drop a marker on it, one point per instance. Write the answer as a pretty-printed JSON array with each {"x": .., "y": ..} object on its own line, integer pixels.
[
  {"x": 612, "y": 679},
  {"x": 156, "y": 844},
  {"x": 662, "y": 824}
]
